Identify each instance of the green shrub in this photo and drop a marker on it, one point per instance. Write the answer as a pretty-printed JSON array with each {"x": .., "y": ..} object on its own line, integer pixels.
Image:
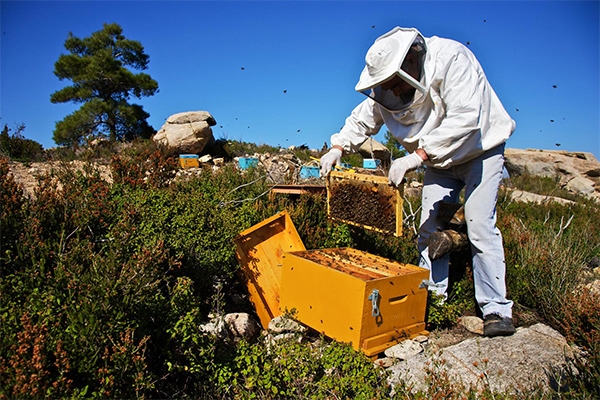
[
  {"x": 104, "y": 286},
  {"x": 354, "y": 159},
  {"x": 77, "y": 297},
  {"x": 11, "y": 216},
  {"x": 546, "y": 248},
  {"x": 289, "y": 369},
  {"x": 236, "y": 148},
  {"x": 17, "y": 147},
  {"x": 444, "y": 313}
]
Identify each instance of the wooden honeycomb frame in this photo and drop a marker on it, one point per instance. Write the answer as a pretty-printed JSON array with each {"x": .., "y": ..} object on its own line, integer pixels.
[{"x": 368, "y": 201}]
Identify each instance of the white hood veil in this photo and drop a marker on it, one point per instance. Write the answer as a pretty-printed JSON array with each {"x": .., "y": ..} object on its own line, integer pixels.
[{"x": 384, "y": 62}]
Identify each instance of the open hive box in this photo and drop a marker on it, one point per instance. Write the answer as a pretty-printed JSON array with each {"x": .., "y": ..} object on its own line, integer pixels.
[
  {"x": 259, "y": 250},
  {"x": 355, "y": 297},
  {"x": 348, "y": 295},
  {"x": 364, "y": 200}
]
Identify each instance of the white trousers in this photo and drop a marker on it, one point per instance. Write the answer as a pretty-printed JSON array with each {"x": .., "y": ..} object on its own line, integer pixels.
[{"x": 481, "y": 178}]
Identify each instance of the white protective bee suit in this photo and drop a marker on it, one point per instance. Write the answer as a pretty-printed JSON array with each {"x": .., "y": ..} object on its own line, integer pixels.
[{"x": 456, "y": 118}]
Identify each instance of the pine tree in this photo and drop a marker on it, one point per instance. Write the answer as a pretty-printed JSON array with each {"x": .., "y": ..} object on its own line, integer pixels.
[
  {"x": 102, "y": 83},
  {"x": 394, "y": 146}
]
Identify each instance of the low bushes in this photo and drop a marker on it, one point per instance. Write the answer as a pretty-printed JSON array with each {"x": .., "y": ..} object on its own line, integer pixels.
[
  {"x": 17, "y": 147},
  {"x": 103, "y": 286}
]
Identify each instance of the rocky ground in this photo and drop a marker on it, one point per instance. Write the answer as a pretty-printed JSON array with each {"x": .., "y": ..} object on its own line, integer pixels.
[
  {"x": 578, "y": 172},
  {"x": 27, "y": 174},
  {"x": 536, "y": 357}
]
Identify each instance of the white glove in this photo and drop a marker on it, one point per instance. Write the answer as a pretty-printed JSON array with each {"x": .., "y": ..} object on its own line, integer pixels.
[
  {"x": 401, "y": 166},
  {"x": 333, "y": 157}
]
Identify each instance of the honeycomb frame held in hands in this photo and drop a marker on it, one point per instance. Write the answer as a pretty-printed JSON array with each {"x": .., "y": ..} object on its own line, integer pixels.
[{"x": 368, "y": 201}]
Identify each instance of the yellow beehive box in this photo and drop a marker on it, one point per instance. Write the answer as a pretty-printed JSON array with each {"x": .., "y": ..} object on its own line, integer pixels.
[
  {"x": 189, "y": 161},
  {"x": 260, "y": 251},
  {"x": 355, "y": 297}
]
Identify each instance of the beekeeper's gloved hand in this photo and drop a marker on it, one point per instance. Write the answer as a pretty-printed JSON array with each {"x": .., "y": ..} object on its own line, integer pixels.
[
  {"x": 401, "y": 166},
  {"x": 333, "y": 157}
]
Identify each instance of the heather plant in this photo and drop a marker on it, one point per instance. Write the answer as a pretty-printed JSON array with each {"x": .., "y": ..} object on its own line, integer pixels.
[
  {"x": 104, "y": 286},
  {"x": 580, "y": 323},
  {"x": 82, "y": 289},
  {"x": 11, "y": 204},
  {"x": 547, "y": 248}
]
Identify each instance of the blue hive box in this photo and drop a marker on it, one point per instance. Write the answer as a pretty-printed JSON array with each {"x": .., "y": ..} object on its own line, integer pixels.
[
  {"x": 371, "y": 163},
  {"x": 309, "y": 172},
  {"x": 247, "y": 162},
  {"x": 189, "y": 161}
]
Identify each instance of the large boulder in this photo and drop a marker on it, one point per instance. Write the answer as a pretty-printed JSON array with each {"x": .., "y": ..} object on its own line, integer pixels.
[
  {"x": 578, "y": 172},
  {"x": 533, "y": 356},
  {"x": 186, "y": 132}
]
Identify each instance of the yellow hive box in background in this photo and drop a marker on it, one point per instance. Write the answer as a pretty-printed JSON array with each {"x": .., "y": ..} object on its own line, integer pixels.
[
  {"x": 189, "y": 161},
  {"x": 355, "y": 297}
]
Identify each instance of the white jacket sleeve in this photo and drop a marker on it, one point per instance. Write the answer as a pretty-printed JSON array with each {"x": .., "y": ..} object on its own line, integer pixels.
[
  {"x": 467, "y": 98},
  {"x": 364, "y": 121}
]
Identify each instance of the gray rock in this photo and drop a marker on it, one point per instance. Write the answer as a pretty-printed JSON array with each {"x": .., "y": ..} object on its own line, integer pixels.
[
  {"x": 577, "y": 171},
  {"x": 187, "y": 132},
  {"x": 216, "y": 327},
  {"x": 271, "y": 340},
  {"x": 384, "y": 362},
  {"x": 205, "y": 158},
  {"x": 404, "y": 350},
  {"x": 241, "y": 325},
  {"x": 283, "y": 324},
  {"x": 594, "y": 172},
  {"x": 507, "y": 364},
  {"x": 190, "y": 117},
  {"x": 472, "y": 324},
  {"x": 421, "y": 339},
  {"x": 594, "y": 288},
  {"x": 527, "y": 197},
  {"x": 581, "y": 185},
  {"x": 231, "y": 326}
]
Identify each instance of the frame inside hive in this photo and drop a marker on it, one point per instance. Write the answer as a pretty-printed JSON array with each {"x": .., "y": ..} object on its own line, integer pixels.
[
  {"x": 364, "y": 200},
  {"x": 356, "y": 263}
]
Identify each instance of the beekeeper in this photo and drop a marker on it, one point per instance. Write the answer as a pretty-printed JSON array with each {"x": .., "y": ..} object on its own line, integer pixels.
[{"x": 433, "y": 96}]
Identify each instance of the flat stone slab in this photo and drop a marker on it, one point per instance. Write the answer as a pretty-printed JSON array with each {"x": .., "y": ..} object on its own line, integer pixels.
[
  {"x": 513, "y": 364},
  {"x": 404, "y": 350}
]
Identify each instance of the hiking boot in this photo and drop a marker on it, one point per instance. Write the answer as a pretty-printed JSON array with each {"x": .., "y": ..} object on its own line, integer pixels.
[{"x": 497, "y": 325}]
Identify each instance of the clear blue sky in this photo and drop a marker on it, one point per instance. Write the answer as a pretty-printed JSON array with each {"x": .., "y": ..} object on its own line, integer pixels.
[{"x": 315, "y": 52}]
